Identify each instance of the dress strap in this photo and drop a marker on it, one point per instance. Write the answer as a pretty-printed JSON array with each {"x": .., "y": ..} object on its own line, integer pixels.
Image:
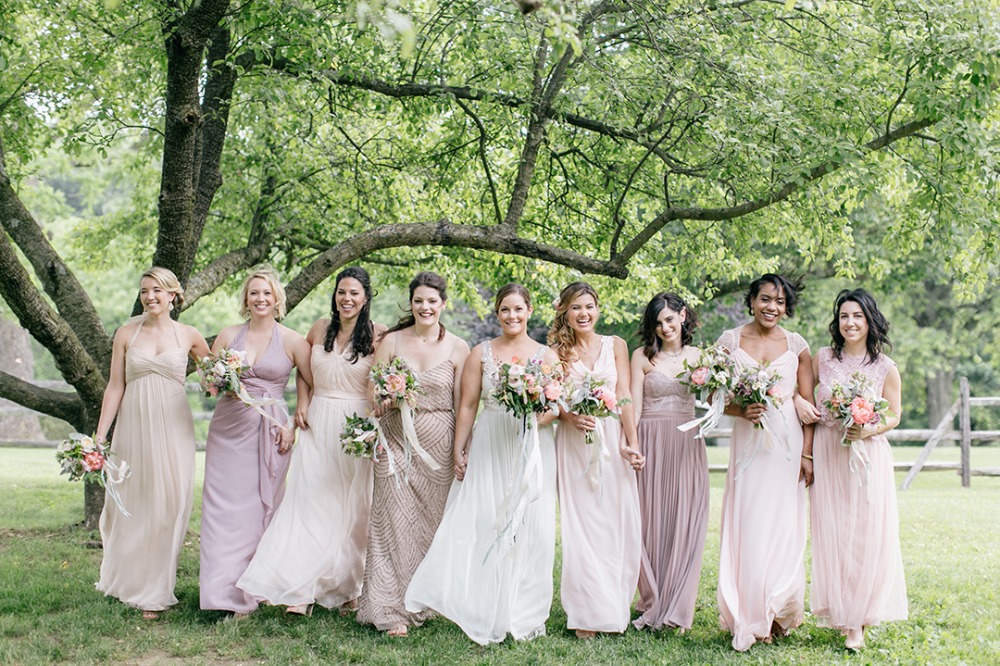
[
  {"x": 239, "y": 339},
  {"x": 489, "y": 363},
  {"x": 138, "y": 328},
  {"x": 539, "y": 353},
  {"x": 177, "y": 339}
]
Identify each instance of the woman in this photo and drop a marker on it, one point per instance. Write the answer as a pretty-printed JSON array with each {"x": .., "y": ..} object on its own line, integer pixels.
[
  {"x": 314, "y": 549},
  {"x": 598, "y": 499},
  {"x": 408, "y": 504},
  {"x": 155, "y": 436},
  {"x": 857, "y": 567},
  {"x": 761, "y": 571},
  {"x": 489, "y": 569},
  {"x": 673, "y": 487},
  {"x": 246, "y": 454}
]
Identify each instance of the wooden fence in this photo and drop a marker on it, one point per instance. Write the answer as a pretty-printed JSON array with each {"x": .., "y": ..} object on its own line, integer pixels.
[{"x": 944, "y": 431}]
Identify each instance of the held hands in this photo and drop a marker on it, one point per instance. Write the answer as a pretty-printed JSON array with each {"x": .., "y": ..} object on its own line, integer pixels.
[
  {"x": 461, "y": 462},
  {"x": 807, "y": 412},
  {"x": 754, "y": 412},
  {"x": 635, "y": 459},
  {"x": 301, "y": 415}
]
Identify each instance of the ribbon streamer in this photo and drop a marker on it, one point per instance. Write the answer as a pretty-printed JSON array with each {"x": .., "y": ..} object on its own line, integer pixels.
[
  {"x": 113, "y": 474},
  {"x": 384, "y": 445},
  {"x": 859, "y": 457},
  {"x": 711, "y": 419},
  {"x": 524, "y": 488},
  {"x": 410, "y": 438},
  {"x": 258, "y": 403},
  {"x": 595, "y": 466},
  {"x": 758, "y": 439}
]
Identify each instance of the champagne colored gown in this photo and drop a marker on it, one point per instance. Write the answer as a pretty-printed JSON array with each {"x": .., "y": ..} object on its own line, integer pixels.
[
  {"x": 314, "y": 549},
  {"x": 155, "y": 436}
]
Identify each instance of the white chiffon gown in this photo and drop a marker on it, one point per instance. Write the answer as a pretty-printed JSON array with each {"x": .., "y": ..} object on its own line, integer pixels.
[
  {"x": 487, "y": 584},
  {"x": 314, "y": 549}
]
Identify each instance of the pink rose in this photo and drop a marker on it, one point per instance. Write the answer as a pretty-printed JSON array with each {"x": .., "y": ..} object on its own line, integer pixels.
[
  {"x": 699, "y": 376},
  {"x": 396, "y": 384},
  {"x": 862, "y": 411},
  {"x": 553, "y": 391},
  {"x": 773, "y": 391},
  {"x": 534, "y": 390},
  {"x": 213, "y": 390},
  {"x": 93, "y": 462},
  {"x": 610, "y": 401}
]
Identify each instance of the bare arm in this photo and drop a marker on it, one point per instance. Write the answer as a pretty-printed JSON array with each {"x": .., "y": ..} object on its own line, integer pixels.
[
  {"x": 383, "y": 352},
  {"x": 629, "y": 449},
  {"x": 806, "y": 381},
  {"x": 465, "y": 415},
  {"x": 116, "y": 385},
  {"x": 640, "y": 366}
]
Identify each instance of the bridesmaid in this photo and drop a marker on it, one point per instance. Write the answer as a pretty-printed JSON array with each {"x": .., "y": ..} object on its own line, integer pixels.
[
  {"x": 487, "y": 583},
  {"x": 857, "y": 566},
  {"x": 314, "y": 549},
  {"x": 598, "y": 498},
  {"x": 246, "y": 453},
  {"x": 673, "y": 487},
  {"x": 155, "y": 436},
  {"x": 762, "y": 578},
  {"x": 407, "y": 506}
]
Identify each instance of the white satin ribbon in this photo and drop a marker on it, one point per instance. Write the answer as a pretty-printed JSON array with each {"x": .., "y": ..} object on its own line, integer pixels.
[
  {"x": 410, "y": 438},
  {"x": 859, "y": 459},
  {"x": 595, "y": 466},
  {"x": 711, "y": 419},
  {"x": 525, "y": 487},
  {"x": 384, "y": 445},
  {"x": 113, "y": 474}
]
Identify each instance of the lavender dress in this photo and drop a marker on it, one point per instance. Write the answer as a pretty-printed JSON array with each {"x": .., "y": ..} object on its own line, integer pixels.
[{"x": 244, "y": 478}]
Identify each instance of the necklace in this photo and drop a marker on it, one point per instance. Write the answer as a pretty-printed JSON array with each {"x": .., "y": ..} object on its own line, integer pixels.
[
  {"x": 672, "y": 354},
  {"x": 432, "y": 338}
]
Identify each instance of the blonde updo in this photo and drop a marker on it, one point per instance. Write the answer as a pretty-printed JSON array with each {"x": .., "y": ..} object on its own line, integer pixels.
[
  {"x": 267, "y": 273},
  {"x": 168, "y": 282}
]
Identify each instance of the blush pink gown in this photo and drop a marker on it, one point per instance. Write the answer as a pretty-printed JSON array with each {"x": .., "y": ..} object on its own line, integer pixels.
[{"x": 762, "y": 576}]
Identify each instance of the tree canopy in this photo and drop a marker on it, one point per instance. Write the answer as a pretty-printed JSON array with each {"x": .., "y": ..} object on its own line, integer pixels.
[{"x": 682, "y": 144}]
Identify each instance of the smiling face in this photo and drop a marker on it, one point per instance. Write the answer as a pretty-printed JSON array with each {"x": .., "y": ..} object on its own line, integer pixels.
[
  {"x": 513, "y": 314},
  {"x": 582, "y": 314},
  {"x": 668, "y": 328},
  {"x": 155, "y": 299},
  {"x": 768, "y": 305},
  {"x": 426, "y": 305},
  {"x": 349, "y": 297},
  {"x": 853, "y": 323},
  {"x": 260, "y": 299}
]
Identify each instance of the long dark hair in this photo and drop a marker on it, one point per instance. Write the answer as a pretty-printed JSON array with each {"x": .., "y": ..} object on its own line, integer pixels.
[
  {"x": 787, "y": 286},
  {"x": 878, "y": 326},
  {"x": 665, "y": 299},
  {"x": 423, "y": 279},
  {"x": 363, "y": 336}
]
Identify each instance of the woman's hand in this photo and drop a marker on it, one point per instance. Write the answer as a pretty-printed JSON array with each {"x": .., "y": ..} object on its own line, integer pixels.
[
  {"x": 302, "y": 414},
  {"x": 581, "y": 422},
  {"x": 286, "y": 437},
  {"x": 754, "y": 412},
  {"x": 807, "y": 412},
  {"x": 461, "y": 463},
  {"x": 806, "y": 471},
  {"x": 635, "y": 459},
  {"x": 381, "y": 407},
  {"x": 857, "y": 432}
]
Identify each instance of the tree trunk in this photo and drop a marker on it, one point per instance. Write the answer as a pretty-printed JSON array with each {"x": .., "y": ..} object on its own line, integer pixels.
[{"x": 940, "y": 395}]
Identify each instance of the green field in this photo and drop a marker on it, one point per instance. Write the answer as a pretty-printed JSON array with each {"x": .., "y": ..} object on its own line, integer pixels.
[{"x": 50, "y": 612}]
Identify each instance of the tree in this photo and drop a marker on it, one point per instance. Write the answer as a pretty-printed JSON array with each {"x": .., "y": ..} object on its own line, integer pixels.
[{"x": 677, "y": 142}]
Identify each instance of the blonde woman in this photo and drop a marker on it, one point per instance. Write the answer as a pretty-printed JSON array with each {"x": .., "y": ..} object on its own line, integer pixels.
[
  {"x": 155, "y": 436},
  {"x": 246, "y": 455}
]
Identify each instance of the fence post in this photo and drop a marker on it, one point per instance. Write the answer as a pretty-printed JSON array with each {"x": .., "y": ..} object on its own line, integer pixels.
[{"x": 965, "y": 423}]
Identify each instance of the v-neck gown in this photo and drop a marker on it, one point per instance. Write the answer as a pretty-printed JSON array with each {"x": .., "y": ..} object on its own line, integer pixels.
[
  {"x": 244, "y": 478},
  {"x": 601, "y": 527},
  {"x": 762, "y": 577},
  {"x": 314, "y": 549},
  {"x": 155, "y": 436}
]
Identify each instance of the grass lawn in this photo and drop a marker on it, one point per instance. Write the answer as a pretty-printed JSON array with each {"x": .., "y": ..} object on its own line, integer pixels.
[{"x": 51, "y": 613}]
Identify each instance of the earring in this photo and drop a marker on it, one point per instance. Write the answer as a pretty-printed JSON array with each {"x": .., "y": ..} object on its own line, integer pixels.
[{"x": 751, "y": 312}]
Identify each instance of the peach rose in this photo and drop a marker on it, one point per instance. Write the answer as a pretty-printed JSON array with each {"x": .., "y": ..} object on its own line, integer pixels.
[
  {"x": 699, "y": 376},
  {"x": 553, "y": 391},
  {"x": 93, "y": 462},
  {"x": 610, "y": 400},
  {"x": 396, "y": 384},
  {"x": 862, "y": 411}
]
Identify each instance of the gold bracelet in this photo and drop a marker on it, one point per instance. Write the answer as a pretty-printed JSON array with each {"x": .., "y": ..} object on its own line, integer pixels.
[{"x": 807, "y": 457}]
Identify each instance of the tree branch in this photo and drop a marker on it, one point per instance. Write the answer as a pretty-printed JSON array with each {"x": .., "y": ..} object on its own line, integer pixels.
[
  {"x": 484, "y": 159},
  {"x": 60, "y": 404}
]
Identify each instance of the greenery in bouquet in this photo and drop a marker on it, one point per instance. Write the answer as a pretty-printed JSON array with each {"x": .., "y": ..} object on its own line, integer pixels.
[
  {"x": 359, "y": 436},
  {"x": 532, "y": 387},
  {"x": 756, "y": 384},
  {"x": 714, "y": 370},
  {"x": 855, "y": 402},
  {"x": 220, "y": 372},
  {"x": 394, "y": 379},
  {"x": 592, "y": 398}
]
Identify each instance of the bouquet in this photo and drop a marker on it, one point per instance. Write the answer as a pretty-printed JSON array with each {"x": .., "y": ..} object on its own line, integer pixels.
[
  {"x": 592, "y": 398},
  {"x": 220, "y": 373},
  {"x": 711, "y": 375},
  {"x": 83, "y": 458},
  {"x": 360, "y": 437},
  {"x": 529, "y": 388},
  {"x": 855, "y": 403},
  {"x": 756, "y": 384},
  {"x": 394, "y": 379}
]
